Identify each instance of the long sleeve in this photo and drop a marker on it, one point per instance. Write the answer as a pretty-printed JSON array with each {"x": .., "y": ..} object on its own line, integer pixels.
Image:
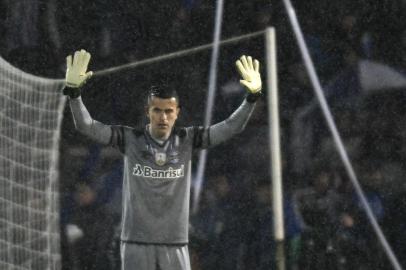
[
  {"x": 233, "y": 125},
  {"x": 85, "y": 124}
]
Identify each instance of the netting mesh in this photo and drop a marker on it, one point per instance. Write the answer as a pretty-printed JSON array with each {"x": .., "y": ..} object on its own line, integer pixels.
[{"x": 30, "y": 118}]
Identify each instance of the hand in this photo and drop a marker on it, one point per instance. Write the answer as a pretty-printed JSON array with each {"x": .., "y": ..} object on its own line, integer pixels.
[
  {"x": 249, "y": 71},
  {"x": 76, "y": 74}
]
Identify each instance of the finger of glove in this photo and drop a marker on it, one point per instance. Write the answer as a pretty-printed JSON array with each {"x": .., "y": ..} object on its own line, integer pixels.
[
  {"x": 256, "y": 65},
  {"x": 81, "y": 60},
  {"x": 84, "y": 77},
  {"x": 68, "y": 62},
  {"x": 85, "y": 58},
  {"x": 88, "y": 75},
  {"x": 249, "y": 61},
  {"x": 247, "y": 84},
  {"x": 244, "y": 62},
  {"x": 76, "y": 57},
  {"x": 241, "y": 69}
]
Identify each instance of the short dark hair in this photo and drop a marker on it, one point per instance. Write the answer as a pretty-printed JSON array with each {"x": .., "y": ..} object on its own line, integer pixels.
[{"x": 162, "y": 91}]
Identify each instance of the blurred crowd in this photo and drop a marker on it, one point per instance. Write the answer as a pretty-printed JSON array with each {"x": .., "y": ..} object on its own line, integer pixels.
[{"x": 351, "y": 43}]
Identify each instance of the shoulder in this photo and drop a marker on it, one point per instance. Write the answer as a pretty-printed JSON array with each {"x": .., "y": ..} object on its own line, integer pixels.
[
  {"x": 123, "y": 134},
  {"x": 137, "y": 132},
  {"x": 198, "y": 135},
  {"x": 189, "y": 132},
  {"x": 181, "y": 132}
]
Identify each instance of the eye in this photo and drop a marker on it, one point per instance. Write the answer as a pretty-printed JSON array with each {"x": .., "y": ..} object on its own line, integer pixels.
[{"x": 168, "y": 111}]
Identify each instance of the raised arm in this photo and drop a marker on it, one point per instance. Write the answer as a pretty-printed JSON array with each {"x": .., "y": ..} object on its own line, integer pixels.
[
  {"x": 76, "y": 76},
  {"x": 251, "y": 80}
]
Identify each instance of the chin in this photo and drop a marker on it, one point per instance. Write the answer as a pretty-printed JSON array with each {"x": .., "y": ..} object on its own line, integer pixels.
[{"x": 163, "y": 134}]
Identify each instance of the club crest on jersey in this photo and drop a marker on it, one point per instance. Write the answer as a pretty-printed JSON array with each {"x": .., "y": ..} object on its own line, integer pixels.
[{"x": 160, "y": 159}]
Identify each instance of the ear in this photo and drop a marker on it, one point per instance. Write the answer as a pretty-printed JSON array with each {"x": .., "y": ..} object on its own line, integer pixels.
[
  {"x": 177, "y": 111},
  {"x": 146, "y": 108}
]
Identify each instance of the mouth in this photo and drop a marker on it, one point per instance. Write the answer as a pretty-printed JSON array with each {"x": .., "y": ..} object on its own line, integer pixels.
[{"x": 162, "y": 126}]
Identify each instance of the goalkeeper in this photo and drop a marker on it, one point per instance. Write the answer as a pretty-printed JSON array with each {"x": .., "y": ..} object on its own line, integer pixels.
[{"x": 157, "y": 165}]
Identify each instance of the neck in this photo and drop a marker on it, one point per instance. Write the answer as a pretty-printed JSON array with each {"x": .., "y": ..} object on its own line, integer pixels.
[{"x": 157, "y": 138}]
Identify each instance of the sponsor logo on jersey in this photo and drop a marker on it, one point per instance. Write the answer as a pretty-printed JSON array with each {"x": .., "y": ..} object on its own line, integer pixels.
[{"x": 146, "y": 171}]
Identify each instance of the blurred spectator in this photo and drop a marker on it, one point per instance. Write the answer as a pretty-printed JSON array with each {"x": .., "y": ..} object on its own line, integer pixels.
[
  {"x": 357, "y": 243},
  {"x": 262, "y": 247},
  {"x": 92, "y": 211},
  {"x": 90, "y": 231},
  {"x": 218, "y": 228},
  {"x": 298, "y": 93},
  {"x": 318, "y": 210}
]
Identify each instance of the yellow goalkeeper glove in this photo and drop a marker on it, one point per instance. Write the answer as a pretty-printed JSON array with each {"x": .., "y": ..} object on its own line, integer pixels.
[
  {"x": 76, "y": 74},
  {"x": 249, "y": 71}
]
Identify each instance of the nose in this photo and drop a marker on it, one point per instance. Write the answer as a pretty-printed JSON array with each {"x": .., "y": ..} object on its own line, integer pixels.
[{"x": 163, "y": 116}]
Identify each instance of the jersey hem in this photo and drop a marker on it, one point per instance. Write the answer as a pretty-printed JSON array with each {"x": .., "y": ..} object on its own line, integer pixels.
[{"x": 155, "y": 243}]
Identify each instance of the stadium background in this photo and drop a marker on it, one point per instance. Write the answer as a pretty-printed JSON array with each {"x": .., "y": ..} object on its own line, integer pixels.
[{"x": 235, "y": 215}]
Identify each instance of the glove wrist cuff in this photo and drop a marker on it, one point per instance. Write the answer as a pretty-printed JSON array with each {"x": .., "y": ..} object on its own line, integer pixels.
[
  {"x": 72, "y": 92},
  {"x": 253, "y": 97}
]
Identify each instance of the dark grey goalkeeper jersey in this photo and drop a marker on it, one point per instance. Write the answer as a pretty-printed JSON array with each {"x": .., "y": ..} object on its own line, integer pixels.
[
  {"x": 157, "y": 177},
  {"x": 156, "y": 184}
]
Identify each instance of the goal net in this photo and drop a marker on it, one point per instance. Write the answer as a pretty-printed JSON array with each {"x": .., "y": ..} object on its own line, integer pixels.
[{"x": 30, "y": 119}]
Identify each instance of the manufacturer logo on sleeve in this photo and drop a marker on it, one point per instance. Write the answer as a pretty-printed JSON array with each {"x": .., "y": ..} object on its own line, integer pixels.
[{"x": 146, "y": 171}]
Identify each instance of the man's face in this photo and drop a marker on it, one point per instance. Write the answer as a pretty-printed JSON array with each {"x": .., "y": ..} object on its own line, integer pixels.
[{"x": 162, "y": 114}]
